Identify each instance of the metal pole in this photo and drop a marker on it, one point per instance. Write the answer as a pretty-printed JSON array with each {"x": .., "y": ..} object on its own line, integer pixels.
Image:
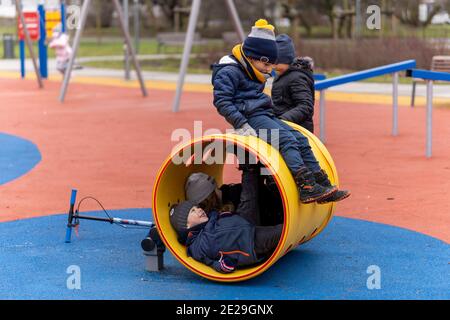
[
  {"x": 137, "y": 24},
  {"x": 63, "y": 16},
  {"x": 127, "y": 25},
  {"x": 235, "y": 18},
  {"x": 429, "y": 117},
  {"x": 195, "y": 9},
  {"x": 22, "y": 58},
  {"x": 395, "y": 104},
  {"x": 76, "y": 44},
  {"x": 131, "y": 53},
  {"x": 43, "y": 54},
  {"x": 358, "y": 18},
  {"x": 322, "y": 116},
  {"x": 28, "y": 42},
  {"x": 70, "y": 217}
]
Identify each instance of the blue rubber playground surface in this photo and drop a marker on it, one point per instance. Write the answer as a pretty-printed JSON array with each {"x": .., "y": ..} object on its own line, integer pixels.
[
  {"x": 17, "y": 157},
  {"x": 334, "y": 265},
  {"x": 36, "y": 263}
]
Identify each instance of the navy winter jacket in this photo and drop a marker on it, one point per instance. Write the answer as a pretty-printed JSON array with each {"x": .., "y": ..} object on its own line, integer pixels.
[
  {"x": 236, "y": 96},
  {"x": 224, "y": 242}
]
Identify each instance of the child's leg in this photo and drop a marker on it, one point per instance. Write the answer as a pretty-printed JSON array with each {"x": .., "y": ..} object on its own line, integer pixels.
[
  {"x": 248, "y": 205},
  {"x": 313, "y": 165},
  {"x": 305, "y": 149},
  {"x": 266, "y": 239},
  {"x": 277, "y": 135}
]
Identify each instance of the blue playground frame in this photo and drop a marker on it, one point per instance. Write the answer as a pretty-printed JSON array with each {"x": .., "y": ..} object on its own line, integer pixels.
[
  {"x": 393, "y": 69},
  {"x": 429, "y": 77}
]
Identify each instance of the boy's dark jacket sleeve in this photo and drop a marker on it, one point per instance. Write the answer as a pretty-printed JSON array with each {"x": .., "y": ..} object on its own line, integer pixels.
[
  {"x": 225, "y": 82},
  {"x": 199, "y": 250},
  {"x": 302, "y": 100},
  {"x": 222, "y": 265}
]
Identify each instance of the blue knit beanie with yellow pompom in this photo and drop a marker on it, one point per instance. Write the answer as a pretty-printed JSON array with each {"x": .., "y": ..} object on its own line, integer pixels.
[{"x": 260, "y": 44}]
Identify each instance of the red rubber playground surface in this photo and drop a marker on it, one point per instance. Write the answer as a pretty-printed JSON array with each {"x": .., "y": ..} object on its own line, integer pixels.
[{"x": 108, "y": 142}]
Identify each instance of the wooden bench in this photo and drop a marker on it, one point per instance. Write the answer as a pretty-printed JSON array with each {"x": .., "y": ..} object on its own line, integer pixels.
[
  {"x": 176, "y": 39},
  {"x": 438, "y": 63}
]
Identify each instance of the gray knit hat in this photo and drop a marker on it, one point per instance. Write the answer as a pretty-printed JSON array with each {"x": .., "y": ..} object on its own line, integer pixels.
[
  {"x": 199, "y": 186},
  {"x": 178, "y": 215},
  {"x": 260, "y": 43}
]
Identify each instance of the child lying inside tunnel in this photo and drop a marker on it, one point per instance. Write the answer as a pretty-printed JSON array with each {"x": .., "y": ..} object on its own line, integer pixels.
[
  {"x": 217, "y": 234},
  {"x": 203, "y": 190}
]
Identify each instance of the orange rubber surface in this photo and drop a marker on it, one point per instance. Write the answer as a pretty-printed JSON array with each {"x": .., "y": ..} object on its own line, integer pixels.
[{"x": 108, "y": 142}]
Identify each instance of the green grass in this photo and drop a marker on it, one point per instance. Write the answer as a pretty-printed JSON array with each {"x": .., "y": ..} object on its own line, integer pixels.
[{"x": 90, "y": 47}]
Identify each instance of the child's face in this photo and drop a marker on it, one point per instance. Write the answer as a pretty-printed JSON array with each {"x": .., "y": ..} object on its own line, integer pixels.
[
  {"x": 196, "y": 216},
  {"x": 281, "y": 68},
  {"x": 264, "y": 67}
]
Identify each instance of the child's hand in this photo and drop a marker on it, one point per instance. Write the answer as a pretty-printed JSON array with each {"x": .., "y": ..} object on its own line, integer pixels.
[
  {"x": 246, "y": 130},
  {"x": 225, "y": 264}
]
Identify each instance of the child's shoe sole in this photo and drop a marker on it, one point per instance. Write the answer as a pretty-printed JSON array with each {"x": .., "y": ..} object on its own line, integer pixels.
[
  {"x": 344, "y": 196},
  {"x": 321, "y": 197}
]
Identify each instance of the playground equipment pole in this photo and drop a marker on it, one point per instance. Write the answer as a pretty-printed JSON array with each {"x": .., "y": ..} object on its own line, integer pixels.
[
  {"x": 126, "y": 25},
  {"x": 193, "y": 17},
  {"x": 76, "y": 41},
  {"x": 43, "y": 54},
  {"x": 131, "y": 51},
  {"x": 28, "y": 42},
  {"x": 195, "y": 9},
  {"x": 322, "y": 116},
  {"x": 235, "y": 18},
  {"x": 136, "y": 25},
  {"x": 22, "y": 58},
  {"x": 80, "y": 27},
  {"x": 358, "y": 18},
  {"x": 429, "y": 117},
  {"x": 429, "y": 77},
  {"x": 63, "y": 16},
  {"x": 395, "y": 104}
]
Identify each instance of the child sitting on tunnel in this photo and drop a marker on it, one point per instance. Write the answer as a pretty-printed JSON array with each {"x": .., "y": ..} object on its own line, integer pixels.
[
  {"x": 239, "y": 81},
  {"x": 222, "y": 238},
  {"x": 293, "y": 95}
]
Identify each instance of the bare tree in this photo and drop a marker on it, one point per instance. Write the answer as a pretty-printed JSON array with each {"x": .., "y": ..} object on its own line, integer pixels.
[
  {"x": 407, "y": 11},
  {"x": 169, "y": 9}
]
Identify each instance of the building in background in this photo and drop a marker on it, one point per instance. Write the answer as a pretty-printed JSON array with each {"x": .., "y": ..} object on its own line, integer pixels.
[{"x": 7, "y": 9}]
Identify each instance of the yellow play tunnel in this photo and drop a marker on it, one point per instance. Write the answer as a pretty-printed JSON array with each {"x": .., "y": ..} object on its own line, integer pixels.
[{"x": 208, "y": 154}]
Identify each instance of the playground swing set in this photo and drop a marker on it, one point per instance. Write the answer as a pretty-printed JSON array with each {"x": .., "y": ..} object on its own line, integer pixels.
[{"x": 37, "y": 25}]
